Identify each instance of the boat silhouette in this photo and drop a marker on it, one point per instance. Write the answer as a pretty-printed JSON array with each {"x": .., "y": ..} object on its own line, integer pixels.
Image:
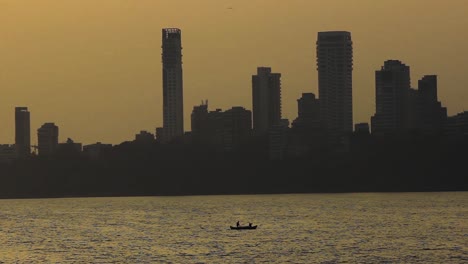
[{"x": 243, "y": 227}]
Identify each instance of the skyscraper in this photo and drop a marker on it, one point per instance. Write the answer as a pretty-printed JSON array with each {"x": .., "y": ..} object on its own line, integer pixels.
[
  {"x": 173, "y": 110},
  {"x": 266, "y": 99},
  {"x": 22, "y": 132},
  {"x": 335, "y": 80},
  {"x": 47, "y": 139},
  {"x": 392, "y": 95}
]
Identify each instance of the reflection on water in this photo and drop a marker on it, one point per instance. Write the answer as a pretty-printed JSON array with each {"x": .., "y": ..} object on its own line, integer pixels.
[{"x": 313, "y": 228}]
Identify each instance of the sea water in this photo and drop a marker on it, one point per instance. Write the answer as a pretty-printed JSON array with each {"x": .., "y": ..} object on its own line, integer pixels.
[{"x": 305, "y": 228}]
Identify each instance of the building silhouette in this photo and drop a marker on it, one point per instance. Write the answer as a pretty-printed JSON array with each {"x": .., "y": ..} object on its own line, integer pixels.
[
  {"x": 144, "y": 137},
  {"x": 278, "y": 140},
  {"x": 47, "y": 138},
  {"x": 456, "y": 126},
  {"x": 361, "y": 140},
  {"x": 7, "y": 153},
  {"x": 237, "y": 123},
  {"x": 307, "y": 129},
  {"x": 97, "y": 150},
  {"x": 430, "y": 113},
  {"x": 173, "y": 110},
  {"x": 401, "y": 109},
  {"x": 225, "y": 130},
  {"x": 69, "y": 148},
  {"x": 362, "y": 128},
  {"x": 335, "y": 68},
  {"x": 392, "y": 94},
  {"x": 266, "y": 99},
  {"x": 207, "y": 126},
  {"x": 22, "y": 132},
  {"x": 199, "y": 122},
  {"x": 308, "y": 114}
]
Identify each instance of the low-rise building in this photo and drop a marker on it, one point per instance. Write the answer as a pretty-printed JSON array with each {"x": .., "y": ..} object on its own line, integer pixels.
[
  {"x": 7, "y": 153},
  {"x": 69, "y": 148},
  {"x": 97, "y": 150},
  {"x": 144, "y": 137}
]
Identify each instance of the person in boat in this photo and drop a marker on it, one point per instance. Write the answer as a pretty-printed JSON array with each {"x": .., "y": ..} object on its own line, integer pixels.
[
  {"x": 237, "y": 224},
  {"x": 250, "y": 224}
]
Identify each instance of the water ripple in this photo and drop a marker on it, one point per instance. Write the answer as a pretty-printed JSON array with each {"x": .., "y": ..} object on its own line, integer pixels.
[{"x": 316, "y": 228}]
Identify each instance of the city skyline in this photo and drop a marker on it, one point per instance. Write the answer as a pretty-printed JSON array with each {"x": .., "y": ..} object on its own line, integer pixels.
[{"x": 72, "y": 97}]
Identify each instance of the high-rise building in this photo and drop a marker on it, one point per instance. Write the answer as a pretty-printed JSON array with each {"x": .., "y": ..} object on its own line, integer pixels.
[
  {"x": 430, "y": 112},
  {"x": 173, "y": 109},
  {"x": 308, "y": 112},
  {"x": 237, "y": 124},
  {"x": 207, "y": 126},
  {"x": 427, "y": 87},
  {"x": 307, "y": 131},
  {"x": 266, "y": 99},
  {"x": 199, "y": 122},
  {"x": 47, "y": 138},
  {"x": 308, "y": 106},
  {"x": 278, "y": 140},
  {"x": 392, "y": 95},
  {"x": 226, "y": 129},
  {"x": 335, "y": 80},
  {"x": 22, "y": 132}
]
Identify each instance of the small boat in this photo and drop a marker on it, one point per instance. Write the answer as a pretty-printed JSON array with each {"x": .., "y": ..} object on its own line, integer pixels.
[{"x": 243, "y": 227}]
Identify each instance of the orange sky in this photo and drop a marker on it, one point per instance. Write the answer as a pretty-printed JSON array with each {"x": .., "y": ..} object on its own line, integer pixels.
[{"x": 94, "y": 67}]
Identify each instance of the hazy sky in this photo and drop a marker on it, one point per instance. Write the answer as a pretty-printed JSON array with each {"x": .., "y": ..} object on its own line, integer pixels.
[{"x": 94, "y": 66}]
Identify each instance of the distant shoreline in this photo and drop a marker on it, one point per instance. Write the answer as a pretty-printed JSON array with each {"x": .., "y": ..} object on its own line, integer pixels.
[
  {"x": 132, "y": 169},
  {"x": 230, "y": 194}
]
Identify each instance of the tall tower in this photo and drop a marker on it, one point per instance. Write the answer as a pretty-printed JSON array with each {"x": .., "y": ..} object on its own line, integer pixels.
[
  {"x": 335, "y": 80},
  {"x": 266, "y": 99},
  {"x": 173, "y": 108},
  {"x": 392, "y": 98},
  {"x": 22, "y": 132}
]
